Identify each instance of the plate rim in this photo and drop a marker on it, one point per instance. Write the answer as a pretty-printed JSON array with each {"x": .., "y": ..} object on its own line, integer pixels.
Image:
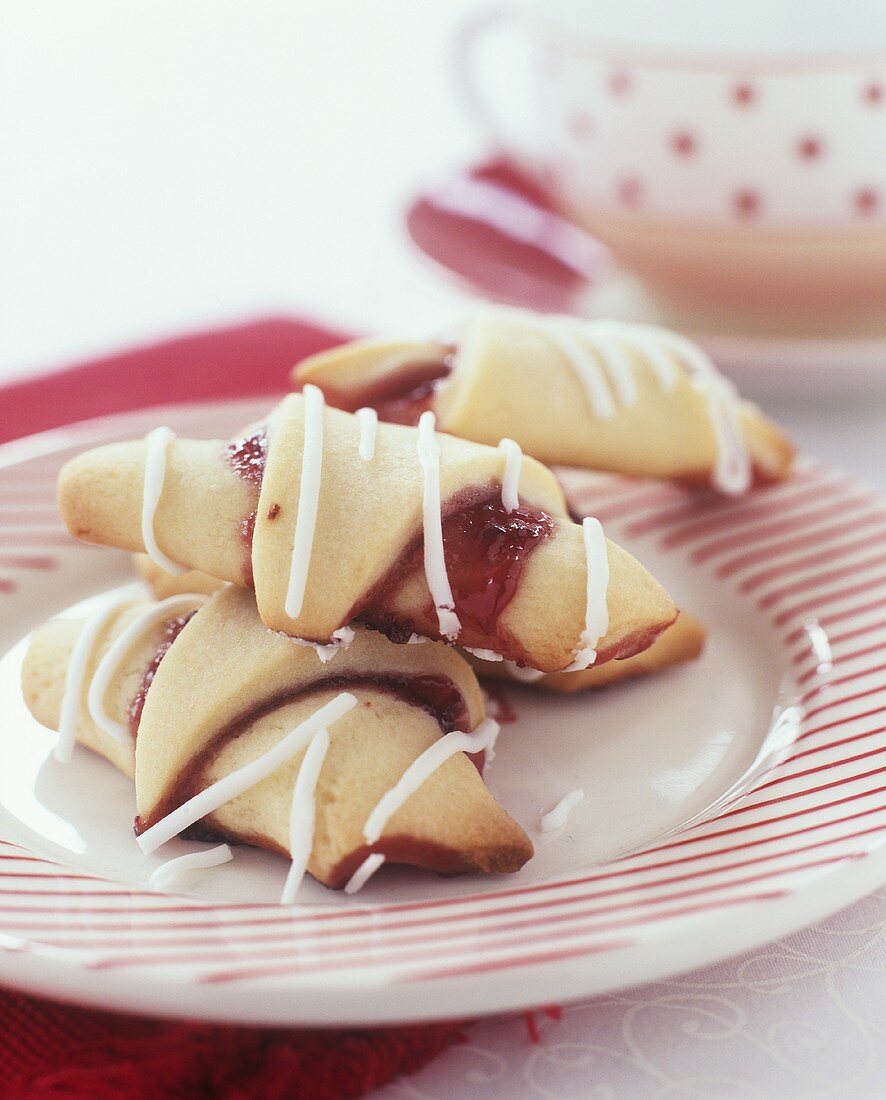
[{"x": 361, "y": 1002}]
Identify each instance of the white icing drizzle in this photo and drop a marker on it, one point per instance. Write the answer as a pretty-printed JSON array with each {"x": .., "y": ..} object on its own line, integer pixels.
[
  {"x": 483, "y": 654},
  {"x": 732, "y": 471},
  {"x": 522, "y": 675},
  {"x": 308, "y": 501},
  {"x": 417, "y": 639},
  {"x": 155, "y": 475},
  {"x": 596, "y": 611},
  {"x": 567, "y": 338},
  {"x": 556, "y": 818},
  {"x": 230, "y": 786},
  {"x": 483, "y": 738},
  {"x": 75, "y": 678},
  {"x": 510, "y": 482},
  {"x": 164, "y": 876},
  {"x": 301, "y": 815},
  {"x": 645, "y": 340},
  {"x": 110, "y": 664},
  {"x": 364, "y": 872},
  {"x": 368, "y": 431},
  {"x": 618, "y": 367},
  {"x": 600, "y": 353},
  {"x": 434, "y": 558},
  {"x": 341, "y": 639}
]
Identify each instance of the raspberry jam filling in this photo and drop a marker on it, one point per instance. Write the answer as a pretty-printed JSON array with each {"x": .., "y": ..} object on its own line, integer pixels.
[
  {"x": 400, "y": 397},
  {"x": 171, "y": 630},
  {"x": 247, "y": 457},
  {"x": 485, "y": 545},
  {"x": 437, "y": 695},
  {"x": 486, "y": 548}
]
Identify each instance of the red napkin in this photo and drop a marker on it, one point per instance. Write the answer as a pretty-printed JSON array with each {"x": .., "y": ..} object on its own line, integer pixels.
[
  {"x": 55, "y": 1052},
  {"x": 52, "y": 1052},
  {"x": 241, "y": 361}
]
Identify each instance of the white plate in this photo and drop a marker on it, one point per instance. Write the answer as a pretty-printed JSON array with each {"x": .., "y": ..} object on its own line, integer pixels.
[
  {"x": 728, "y": 802},
  {"x": 765, "y": 362}
]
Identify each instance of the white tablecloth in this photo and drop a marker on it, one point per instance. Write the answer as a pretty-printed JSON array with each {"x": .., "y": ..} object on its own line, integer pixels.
[
  {"x": 801, "y": 1018},
  {"x": 169, "y": 164}
]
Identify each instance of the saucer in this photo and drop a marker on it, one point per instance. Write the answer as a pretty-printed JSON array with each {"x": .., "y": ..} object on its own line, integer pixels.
[{"x": 501, "y": 234}]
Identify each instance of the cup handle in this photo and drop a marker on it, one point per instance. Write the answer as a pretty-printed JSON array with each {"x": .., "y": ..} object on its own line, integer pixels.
[{"x": 465, "y": 71}]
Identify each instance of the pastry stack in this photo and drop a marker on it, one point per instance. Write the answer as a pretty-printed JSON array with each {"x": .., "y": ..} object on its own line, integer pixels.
[{"x": 329, "y": 585}]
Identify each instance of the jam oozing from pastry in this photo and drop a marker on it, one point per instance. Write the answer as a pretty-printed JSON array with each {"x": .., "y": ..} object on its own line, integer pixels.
[
  {"x": 437, "y": 695},
  {"x": 247, "y": 457},
  {"x": 486, "y": 548},
  {"x": 171, "y": 630},
  {"x": 409, "y": 393},
  {"x": 400, "y": 397},
  {"x": 498, "y": 703}
]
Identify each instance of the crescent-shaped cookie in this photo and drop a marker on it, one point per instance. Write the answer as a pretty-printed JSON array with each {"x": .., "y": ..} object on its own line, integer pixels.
[
  {"x": 681, "y": 642},
  {"x": 226, "y": 689},
  {"x": 633, "y": 399},
  {"x": 412, "y": 538},
  {"x": 164, "y": 584}
]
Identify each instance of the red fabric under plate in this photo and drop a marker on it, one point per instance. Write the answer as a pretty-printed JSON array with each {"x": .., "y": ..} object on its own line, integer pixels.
[
  {"x": 53, "y": 1052},
  {"x": 56, "y": 1052},
  {"x": 240, "y": 361}
]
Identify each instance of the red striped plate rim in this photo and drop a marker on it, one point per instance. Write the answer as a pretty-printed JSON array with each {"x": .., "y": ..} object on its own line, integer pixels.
[{"x": 810, "y": 555}]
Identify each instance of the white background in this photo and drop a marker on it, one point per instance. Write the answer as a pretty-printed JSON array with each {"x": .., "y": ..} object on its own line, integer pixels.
[
  {"x": 168, "y": 163},
  {"x": 164, "y": 164}
]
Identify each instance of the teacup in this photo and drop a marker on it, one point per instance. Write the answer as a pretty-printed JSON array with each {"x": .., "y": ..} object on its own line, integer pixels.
[{"x": 749, "y": 180}]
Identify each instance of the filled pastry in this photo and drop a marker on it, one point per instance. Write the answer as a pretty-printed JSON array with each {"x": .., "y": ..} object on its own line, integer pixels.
[
  {"x": 164, "y": 584},
  {"x": 197, "y": 700},
  {"x": 633, "y": 399},
  {"x": 681, "y": 642},
  {"x": 336, "y": 520}
]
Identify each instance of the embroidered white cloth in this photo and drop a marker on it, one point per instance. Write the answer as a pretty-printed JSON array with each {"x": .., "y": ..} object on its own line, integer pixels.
[{"x": 800, "y": 1018}]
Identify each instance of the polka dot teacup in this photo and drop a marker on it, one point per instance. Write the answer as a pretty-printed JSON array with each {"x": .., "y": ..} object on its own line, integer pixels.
[{"x": 752, "y": 181}]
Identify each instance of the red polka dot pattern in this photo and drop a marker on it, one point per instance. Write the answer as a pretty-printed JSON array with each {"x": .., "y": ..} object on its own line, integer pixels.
[
  {"x": 746, "y": 203},
  {"x": 630, "y": 192},
  {"x": 684, "y": 143},
  {"x": 867, "y": 201},
  {"x": 744, "y": 94},
  {"x": 619, "y": 82},
  {"x": 799, "y": 172},
  {"x": 810, "y": 148}
]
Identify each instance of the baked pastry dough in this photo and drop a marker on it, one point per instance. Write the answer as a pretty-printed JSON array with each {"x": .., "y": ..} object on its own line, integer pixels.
[
  {"x": 412, "y": 537},
  {"x": 164, "y": 584},
  {"x": 634, "y": 399},
  {"x": 241, "y": 688},
  {"x": 681, "y": 642}
]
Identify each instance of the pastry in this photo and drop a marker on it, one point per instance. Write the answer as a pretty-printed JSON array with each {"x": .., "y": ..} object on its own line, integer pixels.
[
  {"x": 164, "y": 584},
  {"x": 185, "y": 693},
  {"x": 634, "y": 399},
  {"x": 681, "y": 642},
  {"x": 339, "y": 519}
]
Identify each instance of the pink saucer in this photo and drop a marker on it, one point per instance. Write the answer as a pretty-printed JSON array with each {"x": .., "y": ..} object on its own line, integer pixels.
[{"x": 500, "y": 232}]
